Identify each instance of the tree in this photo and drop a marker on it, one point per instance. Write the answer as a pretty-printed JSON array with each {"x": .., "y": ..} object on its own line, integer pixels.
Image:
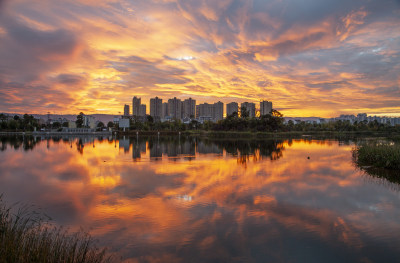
[
  {"x": 276, "y": 113},
  {"x": 65, "y": 124},
  {"x": 79, "y": 120},
  {"x": 100, "y": 125},
  {"x": 110, "y": 124},
  {"x": 56, "y": 125}
]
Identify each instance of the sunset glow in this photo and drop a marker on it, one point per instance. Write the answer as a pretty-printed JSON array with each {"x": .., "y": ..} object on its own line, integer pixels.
[{"x": 310, "y": 58}]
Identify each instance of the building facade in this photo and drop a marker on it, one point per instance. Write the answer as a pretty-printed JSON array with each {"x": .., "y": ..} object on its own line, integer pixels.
[
  {"x": 164, "y": 110},
  {"x": 156, "y": 107},
  {"x": 136, "y": 102},
  {"x": 265, "y": 107},
  {"x": 175, "y": 108},
  {"x": 231, "y": 108},
  {"x": 189, "y": 108},
  {"x": 126, "y": 110},
  {"x": 250, "y": 107},
  {"x": 142, "y": 110},
  {"x": 218, "y": 113}
]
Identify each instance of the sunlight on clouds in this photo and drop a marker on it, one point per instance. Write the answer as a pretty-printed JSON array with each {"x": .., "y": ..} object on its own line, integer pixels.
[{"x": 307, "y": 65}]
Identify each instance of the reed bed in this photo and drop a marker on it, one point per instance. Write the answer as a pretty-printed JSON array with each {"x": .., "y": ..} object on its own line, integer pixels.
[
  {"x": 378, "y": 155},
  {"x": 26, "y": 236}
]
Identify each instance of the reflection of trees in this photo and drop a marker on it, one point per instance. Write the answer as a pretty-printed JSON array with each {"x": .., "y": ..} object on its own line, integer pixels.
[
  {"x": 258, "y": 149},
  {"x": 80, "y": 146},
  {"x": 19, "y": 141},
  {"x": 390, "y": 175}
]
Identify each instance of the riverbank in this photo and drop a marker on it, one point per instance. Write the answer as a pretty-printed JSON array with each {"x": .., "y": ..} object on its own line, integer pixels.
[
  {"x": 28, "y": 237},
  {"x": 250, "y": 135}
]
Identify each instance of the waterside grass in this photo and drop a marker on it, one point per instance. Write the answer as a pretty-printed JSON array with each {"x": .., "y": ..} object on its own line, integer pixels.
[
  {"x": 27, "y": 236},
  {"x": 378, "y": 156}
]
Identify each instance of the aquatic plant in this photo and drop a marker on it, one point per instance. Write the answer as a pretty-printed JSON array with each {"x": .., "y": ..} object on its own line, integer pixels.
[
  {"x": 28, "y": 236},
  {"x": 378, "y": 155}
]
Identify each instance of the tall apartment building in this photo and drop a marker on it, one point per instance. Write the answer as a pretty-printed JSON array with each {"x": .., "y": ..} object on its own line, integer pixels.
[
  {"x": 175, "y": 108},
  {"x": 250, "y": 107},
  {"x": 204, "y": 110},
  {"x": 218, "y": 113},
  {"x": 136, "y": 102},
  {"x": 213, "y": 112},
  {"x": 164, "y": 110},
  {"x": 231, "y": 108},
  {"x": 156, "y": 107},
  {"x": 126, "y": 110},
  {"x": 265, "y": 107},
  {"x": 189, "y": 108},
  {"x": 142, "y": 110}
]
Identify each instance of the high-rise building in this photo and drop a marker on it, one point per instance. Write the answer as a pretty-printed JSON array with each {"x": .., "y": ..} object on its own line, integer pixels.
[
  {"x": 136, "y": 102},
  {"x": 265, "y": 107},
  {"x": 218, "y": 111},
  {"x": 204, "y": 110},
  {"x": 231, "y": 108},
  {"x": 142, "y": 110},
  {"x": 189, "y": 108},
  {"x": 250, "y": 107},
  {"x": 156, "y": 107},
  {"x": 213, "y": 112},
  {"x": 164, "y": 110},
  {"x": 126, "y": 110},
  {"x": 175, "y": 108}
]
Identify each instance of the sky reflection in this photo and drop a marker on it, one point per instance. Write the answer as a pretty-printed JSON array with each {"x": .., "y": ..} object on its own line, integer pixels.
[{"x": 187, "y": 199}]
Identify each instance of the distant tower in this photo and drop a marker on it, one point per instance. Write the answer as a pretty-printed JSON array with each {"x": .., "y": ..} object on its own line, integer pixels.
[
  {"x": 175, "y": 108},
  {"x": 156, "y": 107},
  {"x": 142, "y": 110},
  {"x": 250, "y": 107},
  {"x": 218, "y": 111},
  {"x": 126, "y": 110},
  {"x": 136, "y": 106},
  {"x": 189, "y": 108},
  {"x": 231, "y": 108},
  {"x": 265, "y": 107}
]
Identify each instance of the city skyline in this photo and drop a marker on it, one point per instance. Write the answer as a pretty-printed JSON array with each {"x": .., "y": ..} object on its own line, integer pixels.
[{"x": 310, "y": 58}]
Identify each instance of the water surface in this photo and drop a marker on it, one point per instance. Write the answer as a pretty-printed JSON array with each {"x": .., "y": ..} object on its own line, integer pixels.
[{"x": 177, "y": 199}]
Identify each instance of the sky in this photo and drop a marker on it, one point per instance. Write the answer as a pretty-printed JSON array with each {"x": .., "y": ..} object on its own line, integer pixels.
[{"x": 309, "y": 57}]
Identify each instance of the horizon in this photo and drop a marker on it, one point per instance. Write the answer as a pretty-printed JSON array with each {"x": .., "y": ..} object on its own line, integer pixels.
[{"x": 311, "y": 59}]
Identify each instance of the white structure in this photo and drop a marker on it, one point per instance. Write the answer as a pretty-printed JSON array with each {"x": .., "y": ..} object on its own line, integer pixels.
[
  {"x": 89, "y": 121},
  {"x": 265, "y": 107}
]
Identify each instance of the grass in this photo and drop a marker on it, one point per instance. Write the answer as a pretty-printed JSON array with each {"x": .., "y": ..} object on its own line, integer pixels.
[
  {"x": 378, "y": 155},
  {"x": 27, "y": 236}
]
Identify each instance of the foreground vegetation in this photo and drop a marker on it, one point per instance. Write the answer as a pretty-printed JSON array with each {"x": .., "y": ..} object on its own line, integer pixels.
[
  {"x": 27, "y": 237},
  {"x": 378, "y": 155}
]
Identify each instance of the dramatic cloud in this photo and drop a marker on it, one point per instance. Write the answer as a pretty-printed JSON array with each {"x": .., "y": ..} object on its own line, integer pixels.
[{"x": 310, "y": 57}]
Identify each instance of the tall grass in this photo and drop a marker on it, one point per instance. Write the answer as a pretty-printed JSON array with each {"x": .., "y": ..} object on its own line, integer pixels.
[
  {"x": 378, "y": 155},
  {"x": 26, "y": 236}
]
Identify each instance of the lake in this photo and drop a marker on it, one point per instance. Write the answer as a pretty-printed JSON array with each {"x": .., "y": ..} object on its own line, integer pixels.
[{"x": 187, "y": 199}]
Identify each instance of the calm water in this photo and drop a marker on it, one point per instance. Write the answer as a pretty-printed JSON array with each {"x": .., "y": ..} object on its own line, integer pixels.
[{"x": 192, "y": 200}]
